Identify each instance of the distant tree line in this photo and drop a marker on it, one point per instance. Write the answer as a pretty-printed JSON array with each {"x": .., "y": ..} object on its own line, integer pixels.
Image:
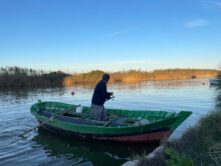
[
  {"x": 138, "y": 75},
  {"x": 16, "y": 77}
]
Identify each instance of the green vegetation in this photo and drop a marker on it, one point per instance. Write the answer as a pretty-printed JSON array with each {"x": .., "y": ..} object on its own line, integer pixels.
[
  {"x": 176, "y": 158},
  {"x": 15, "y": 77},
  {"x": 199, "y": 145},
  {"x": 137, "y": 75}
]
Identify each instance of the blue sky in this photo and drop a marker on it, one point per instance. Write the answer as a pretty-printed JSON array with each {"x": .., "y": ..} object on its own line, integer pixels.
[{"x": 83, "y": 35}]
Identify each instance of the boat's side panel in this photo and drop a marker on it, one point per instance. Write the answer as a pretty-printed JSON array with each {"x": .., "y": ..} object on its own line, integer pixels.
[
  {"x": 181, "y": 116},
  {"x": 153, "y": 136},
  {"x": 100, "y": 130}
]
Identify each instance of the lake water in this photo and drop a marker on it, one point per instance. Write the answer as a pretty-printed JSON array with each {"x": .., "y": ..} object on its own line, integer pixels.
[{"x": 43, "y": 148}]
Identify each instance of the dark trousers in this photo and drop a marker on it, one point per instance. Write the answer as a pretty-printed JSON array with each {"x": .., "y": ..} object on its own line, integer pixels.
[{"x": 98, "y": 112}]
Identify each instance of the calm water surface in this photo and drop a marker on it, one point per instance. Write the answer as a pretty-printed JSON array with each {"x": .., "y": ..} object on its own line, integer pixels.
[{"x": 43, "y": 148}]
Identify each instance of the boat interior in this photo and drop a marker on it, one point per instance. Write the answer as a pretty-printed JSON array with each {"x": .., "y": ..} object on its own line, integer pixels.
[{"x": 116, "y": 118}]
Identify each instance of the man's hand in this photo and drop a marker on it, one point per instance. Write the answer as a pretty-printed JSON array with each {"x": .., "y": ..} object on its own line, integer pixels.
[{"x": 111, "y": 93}]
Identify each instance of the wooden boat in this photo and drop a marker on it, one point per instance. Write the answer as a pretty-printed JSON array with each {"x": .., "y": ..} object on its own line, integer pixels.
[{"x": 129, "y": 126}]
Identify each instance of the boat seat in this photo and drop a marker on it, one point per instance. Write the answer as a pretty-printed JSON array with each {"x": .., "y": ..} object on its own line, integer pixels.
[{"x": 170, "y": 114}]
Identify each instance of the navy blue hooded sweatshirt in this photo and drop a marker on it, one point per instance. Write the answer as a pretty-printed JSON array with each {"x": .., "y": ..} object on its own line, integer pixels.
[{"x": 100, "y": 93}]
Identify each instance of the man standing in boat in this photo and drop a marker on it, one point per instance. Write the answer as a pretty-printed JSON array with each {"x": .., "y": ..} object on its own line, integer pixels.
[{"x": 99, "y": 97}]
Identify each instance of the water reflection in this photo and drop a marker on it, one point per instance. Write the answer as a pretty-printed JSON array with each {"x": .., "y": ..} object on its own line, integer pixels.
[
  {"x": 19, "y": 94},
  {"x": 78, "y": 151},
  {"x": 153, "y": 84}
]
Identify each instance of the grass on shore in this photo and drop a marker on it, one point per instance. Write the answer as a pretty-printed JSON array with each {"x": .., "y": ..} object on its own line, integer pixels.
[{"x": 201, "y": 145}]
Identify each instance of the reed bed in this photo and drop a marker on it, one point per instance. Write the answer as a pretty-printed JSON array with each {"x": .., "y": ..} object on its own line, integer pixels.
[
  {"x": 133, "y": 76},
  {"x": 15, "y": 77}
]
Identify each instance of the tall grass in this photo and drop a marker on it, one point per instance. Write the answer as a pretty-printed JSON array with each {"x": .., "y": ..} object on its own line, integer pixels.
[
  {"x": 15, "y": 77},
  {"x": 137, "y": 75},
  {"x": 90, "y": 77}
]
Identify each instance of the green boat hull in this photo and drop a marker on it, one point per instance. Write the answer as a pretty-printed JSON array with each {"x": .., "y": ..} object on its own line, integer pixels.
[{"x": 129, "y": 126}]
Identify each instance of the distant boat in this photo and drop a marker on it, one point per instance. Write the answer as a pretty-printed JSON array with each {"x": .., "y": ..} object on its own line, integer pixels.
[
  {"x": 214, "y": 81},
  {"x": 127, "y": 126}
]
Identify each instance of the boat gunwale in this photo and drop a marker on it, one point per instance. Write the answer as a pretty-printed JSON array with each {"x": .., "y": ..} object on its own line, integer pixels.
[{"x": 122, "y": 127}]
